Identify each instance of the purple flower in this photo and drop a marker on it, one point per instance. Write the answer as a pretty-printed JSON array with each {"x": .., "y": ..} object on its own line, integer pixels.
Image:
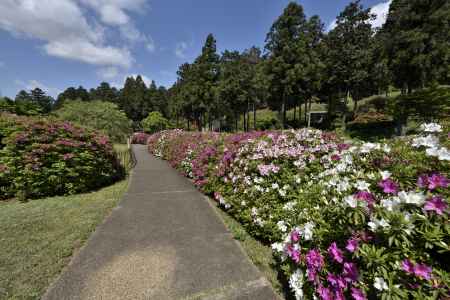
[
  {"x": 436, "y": 204},
  {"x": 422, "y": 181},
  {"x": 352, "y": 245},
  {"x": 339, "y": 295},
  {"x": 325, "y": 293},
  {"x": 295, "y": 236},
  {"x": 357, "y": 294},
  {"x": 365, "y": 196},
  {"x": 335, "y": 253},
  {"x": 350, "y": 272},
  {"x": 314, "y": 259},
  {"x": 338, "y": 282},
  {"x": 388, "y": 186},
  {"x": 294, "y": 254},
  {"x": 407, "y": 266},
  {"x": 422, "y": 271},
  {"x": 437, "y": 180}
]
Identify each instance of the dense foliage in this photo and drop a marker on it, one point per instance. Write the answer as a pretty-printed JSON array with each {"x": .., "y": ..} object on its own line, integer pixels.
[
  {"x": 154, "y": 122},
  {"x": 360, "y": 221},
  {"x": 102, "y": 116},
  {"x": 43, "y": 157}
]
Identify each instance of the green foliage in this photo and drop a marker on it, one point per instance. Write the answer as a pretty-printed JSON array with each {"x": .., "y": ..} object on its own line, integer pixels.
[
  {"x": 46, "y": 157},
  {"x": 102, "y": 116},
  {"x": 154, "y": 122}
]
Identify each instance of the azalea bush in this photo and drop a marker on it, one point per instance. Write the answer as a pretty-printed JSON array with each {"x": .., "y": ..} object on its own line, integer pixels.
[
  {"x": 43, "y": 158},
  {"x": 346, "y": 220},
  {"x": 140, "y": 138}
]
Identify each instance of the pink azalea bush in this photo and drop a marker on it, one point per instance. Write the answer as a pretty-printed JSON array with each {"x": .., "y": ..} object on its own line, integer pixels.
[
  {"x": 346, "y": 220},
  {"x": 140, "y": 138},
  {"x": 41, "y": 158}
]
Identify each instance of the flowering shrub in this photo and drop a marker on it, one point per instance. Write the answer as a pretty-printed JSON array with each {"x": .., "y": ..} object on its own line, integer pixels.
[
  {"x": 139, "y": 138},
  {"x": 43, "y": 158},
  {"x": 347, "y": 221}
]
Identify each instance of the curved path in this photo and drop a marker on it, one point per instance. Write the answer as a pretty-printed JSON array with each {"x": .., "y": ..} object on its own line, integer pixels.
[{"x": 163, "y": 241}]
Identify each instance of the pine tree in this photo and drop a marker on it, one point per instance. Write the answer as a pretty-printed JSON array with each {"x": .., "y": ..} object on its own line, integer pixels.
[{"x": 40, "y": 98}]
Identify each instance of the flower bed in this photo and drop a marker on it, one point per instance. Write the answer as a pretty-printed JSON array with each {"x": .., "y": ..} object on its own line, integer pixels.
[
  {"x": 347, "y": 221},
  {"x": 45, "y": 158}
]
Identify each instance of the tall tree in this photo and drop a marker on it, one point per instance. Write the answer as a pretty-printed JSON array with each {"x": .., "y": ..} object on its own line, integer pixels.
[
  {"x": 417, "y": 43},
  {"x": 348, "y": 55},
  {"x": 40, "y": 98},
  {"x": 104, "y": 92}
]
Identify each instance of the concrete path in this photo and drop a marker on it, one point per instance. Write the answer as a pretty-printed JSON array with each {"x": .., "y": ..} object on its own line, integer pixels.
[{"x": 163, "y": 241}]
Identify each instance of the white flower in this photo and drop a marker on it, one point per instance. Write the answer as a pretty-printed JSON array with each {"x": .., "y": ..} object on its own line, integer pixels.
[
  {"x": 385, "y": 174},
  {"x": 444, "y": 154},
  {"x": 431, "y": 127},
  {"x": 296, "y": 282},
  {"x": 282, "y": 226},
  {"x": 351, "y": 201},
  {"x": 243, "y": 203},
  {"x": 386, "y": 148},
  {"x": 275, "y": 186},
  {"x": 430, "y": 141},
  {"x": 412, "y": 198},
  {"x": 367, "y": 147},
  {"x": 282, "y": 193},
  {"x": 259, "y": 222},
  {"x": 254, "y": 211},
  {"x": 375, "y": 224},
  {"x": 278, "y": 247},
  {"x": 390, "y": 204},
  {"x": 289, "y": 205},
  {"x": 380, "y": 284},
  {"x": 307, "y": 231},
  {"x": 362, "y": 185}
]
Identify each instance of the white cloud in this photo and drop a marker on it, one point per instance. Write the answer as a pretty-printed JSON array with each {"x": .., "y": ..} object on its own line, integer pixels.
[
  {"x": 150, "y": 45},
  {"x": 180, "y": 50},
  {"x": 32, "y": 84},
  {"x": 380, "y": 11},
  {"x": 64, "y": 28},
  {"x": 108, "y": 73}
]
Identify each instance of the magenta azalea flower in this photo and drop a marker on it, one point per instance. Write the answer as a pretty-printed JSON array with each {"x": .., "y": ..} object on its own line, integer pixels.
[
  {"x": 295, "y": 236},
  {"x": 350, "y": 272},
  {"x": 407, "y": 266},
  {"x": 314, "y": 259},
  {"x": 388, "y": 186},
  {"x": 422, "y": 271},
  {"x": 352, "y": 245},
  {"x": 336, "y": 253},
  {"x": 325, "y": 293},
  {"x": 357, "y": 294},
  {"x": 436, "y": 204},
  {"x": 339, "y": 295},
  {"x": 422, "y": 181},
  {"x": 338, "y": 282},
  {"x": 365, "y": 196},
  {"x": 436, "y": 181}
]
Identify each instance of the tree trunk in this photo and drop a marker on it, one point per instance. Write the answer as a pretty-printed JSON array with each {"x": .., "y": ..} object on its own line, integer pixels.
[
  {"x": 355, "y": 105},
  {"x": 295, "y": 112},
  {"x": 300, "y": 114},
  {"x": 236, "y": 121},
  {"x": 245, "y": 120},
  {"x": 344, "y": 113},
  {"x": 306, "y": 110},
  {"x": 254, "y": 116},
  {"x": 283, "y": 112},
  {"x": 188, "y": 125}
]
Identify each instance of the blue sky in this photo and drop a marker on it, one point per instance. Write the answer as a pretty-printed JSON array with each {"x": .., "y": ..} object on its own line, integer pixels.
[{"x": 55, "y": 44}]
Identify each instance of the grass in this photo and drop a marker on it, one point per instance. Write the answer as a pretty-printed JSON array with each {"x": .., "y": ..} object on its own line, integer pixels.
[
  {"x": 39, "y": 237},
  {"x": 260, "y": 254}
]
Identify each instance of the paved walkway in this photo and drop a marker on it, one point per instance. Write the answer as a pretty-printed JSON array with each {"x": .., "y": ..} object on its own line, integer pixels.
[{"x": 163, "y": 241}]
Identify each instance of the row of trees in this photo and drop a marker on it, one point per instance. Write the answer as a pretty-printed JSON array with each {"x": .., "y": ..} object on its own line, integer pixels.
[{"x": 302, "y": 62}]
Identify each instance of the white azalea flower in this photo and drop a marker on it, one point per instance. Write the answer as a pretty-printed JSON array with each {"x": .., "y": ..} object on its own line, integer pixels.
[
  {"x": 307, "y": 231},
  {"x": 296, "y": 282},
  {"x": 429, "y": 141},
  {"x": 278, "y": 247},
  {"x": 380, "y": 284},
  {"x": 385, "y": 174},
  {"x": 351, "y": 201},
  {"x": 282, "y": 226},
  {"x": 362, "y": 185},
  {"x": 390, "y": 204},
  {"x": 412, "y": 198},
  {"x": 431, "y": 127},
  {"x": 275, "y": 186},
  {"x": 289, "y": 205},
  {"x": 376, "y": 224},
  {"x": 444, "y": 154}
]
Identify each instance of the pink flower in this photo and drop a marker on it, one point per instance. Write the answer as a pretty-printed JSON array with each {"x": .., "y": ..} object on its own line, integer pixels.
[
  {"x": 357, "y": 294},
  {"x": 437, "y": 180},
  {"x": 295, "y": 236},
  {"x": 350, "y": 272},
  {"x": 422, "y": 271},
  {"x": 352, "y": 245},
  {"x": 335, "y": 253},
  {"x": 436, "y": 204},
  {"x": 325, "y": 293},
  {"x": 388, "y": 186},
  {"x": 407, "y": 266},
  {"x": 338, "y": 282},
  {"x": 314, "y": 260},
  {"x": 422, "y": 181},
  {"x": 365, "y": 196}
]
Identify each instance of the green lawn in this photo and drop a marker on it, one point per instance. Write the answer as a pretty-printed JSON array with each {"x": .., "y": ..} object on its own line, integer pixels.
[{"x": 39, "y": 237}]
